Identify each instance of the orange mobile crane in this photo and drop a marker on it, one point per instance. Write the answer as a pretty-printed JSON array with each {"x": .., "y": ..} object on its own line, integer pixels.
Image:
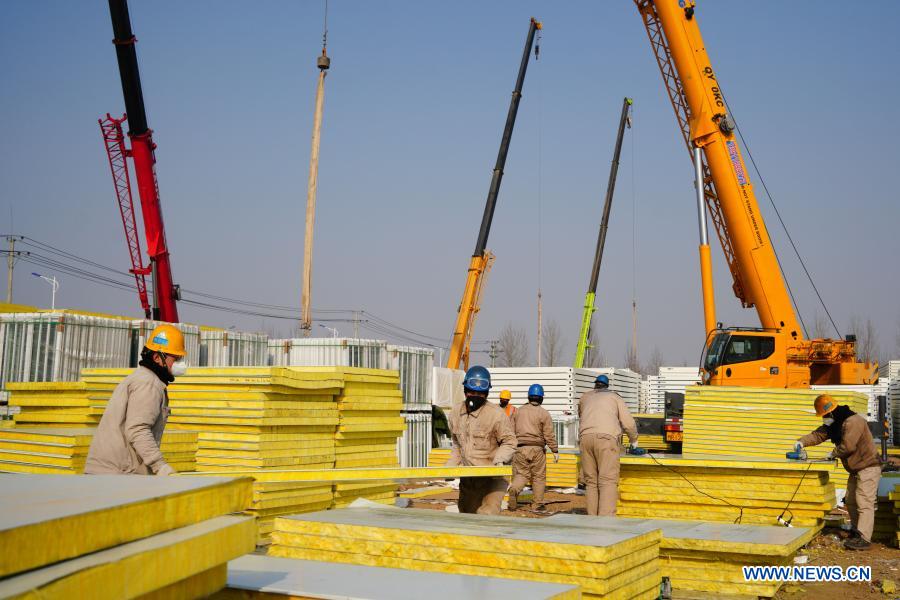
[{"x": 777, "y": 354}]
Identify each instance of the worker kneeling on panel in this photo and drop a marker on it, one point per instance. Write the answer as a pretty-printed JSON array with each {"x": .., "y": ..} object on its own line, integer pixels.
[
  {"x": 854, "y": 445},
  {"x": 602, "y": 417},
  {"x": 128, "y": 437},
  {"x": 534, "y": 431},
  {"x": 481, "y": 435}
]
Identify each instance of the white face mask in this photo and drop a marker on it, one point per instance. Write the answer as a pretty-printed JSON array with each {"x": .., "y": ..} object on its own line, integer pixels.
[
  {"x": 179, "y": 368},
  {"x": 828, "y": 421}
]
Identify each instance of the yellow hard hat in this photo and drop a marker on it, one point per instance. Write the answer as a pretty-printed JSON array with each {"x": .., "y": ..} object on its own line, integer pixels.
[
  {"x": 166, "y": 339},
  {"x": 824, "y": 404},
  {"x": 505, "y": 395}
]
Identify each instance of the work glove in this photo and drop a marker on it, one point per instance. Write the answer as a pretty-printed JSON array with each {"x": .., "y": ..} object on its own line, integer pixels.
[
  {"x": 634, "y": 445},
  {"x": 830, "y": 455},
  {"x": 798, "y": 446},
  {"x": 165, "y": 469},
  {"x": 499, "y": 463},
  {"x": 556, "y": 457}
]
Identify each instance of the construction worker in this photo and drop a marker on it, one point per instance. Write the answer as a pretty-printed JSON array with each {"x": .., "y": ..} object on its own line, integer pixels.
[
  {"x": 602, "y": 417},
  {"x": 509, "y": 409},
  {"x": 853, "y": 444},
  {"x": 481, "y": 435},
  {"x": 439, "y": 426},
  {"x": 127, "y": 439},
  {"x": 534, "y": 431}
]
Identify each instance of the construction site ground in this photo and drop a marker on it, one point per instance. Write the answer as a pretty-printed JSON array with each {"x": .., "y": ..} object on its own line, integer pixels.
[{"x": 826, "y": 550}]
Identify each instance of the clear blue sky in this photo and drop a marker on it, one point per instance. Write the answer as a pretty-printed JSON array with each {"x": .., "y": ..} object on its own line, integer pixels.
[{"x": 415, "y": 104}]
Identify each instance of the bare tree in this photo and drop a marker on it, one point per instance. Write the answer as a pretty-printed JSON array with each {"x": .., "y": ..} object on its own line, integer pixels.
[
  {"x": 552, "y": 344},
  {"x": 632, "y": 361},
  {"x": 821, "y": 326},
  {"x": 897, "y": 340},
  {"x": 593, "y": 356},
  {"x": 513, "y": 347},
  {"x": 655, "y": 361},
  {"x": 867, "y": 345}
]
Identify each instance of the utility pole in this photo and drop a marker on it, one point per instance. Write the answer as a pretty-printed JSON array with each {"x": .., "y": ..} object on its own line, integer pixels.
[
  {"x": 494, "y": 353},
  {"x": 540, "y": 327},
  {"x": 10, "y": 265},
  {"x": 356, "y": 316},
  {"x": 323, "y": 62}
]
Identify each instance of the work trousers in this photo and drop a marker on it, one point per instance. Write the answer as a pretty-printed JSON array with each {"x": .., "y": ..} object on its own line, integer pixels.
[
  {"x": 861, "y": 498},
  {"x": 529, "y": 464},
  {"x": 481, "y": 495},
  {"x": 600, "y": 467}
]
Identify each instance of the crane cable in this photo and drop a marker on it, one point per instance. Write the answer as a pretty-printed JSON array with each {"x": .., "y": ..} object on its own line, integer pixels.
[
  {"x": 633, "y": 137},
  {"x": 325, "y": 29}
]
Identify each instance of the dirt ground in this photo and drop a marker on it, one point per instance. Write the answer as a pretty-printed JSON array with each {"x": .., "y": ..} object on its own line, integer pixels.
[{"x": 825, "y": 549}]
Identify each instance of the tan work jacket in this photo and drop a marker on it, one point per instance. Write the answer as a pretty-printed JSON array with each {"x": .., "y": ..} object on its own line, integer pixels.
[
  {"x": 128, "y": 437},
  {"x": 604, "y": 412},
  {"x": 857, "y": 448},
  {"x": 481, "y": 438},
  {"x": 534, "y": 427}
]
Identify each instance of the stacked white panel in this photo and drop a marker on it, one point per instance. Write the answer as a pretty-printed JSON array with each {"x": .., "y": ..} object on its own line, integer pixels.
[
  {"x": 566, "y": 429},
  {"x": 624, "y": 382},
  {"x": 141, "y": 329},
  {"x": 890, "y": 370},
  {"x": 233, "y": 349},
  {"x": 644, "y": 396},
  {"x": 415, "y": 366},
  {"x": 669, "y": 379},
  {"x": 872, "y": 391},
  {"x": 56, "y": 346},
  {"x": 328, "y": 352},
  {"x": 894, "y": 402},
  {"x": 446, "y": 387},
  {"x": 415, "y": 443}
]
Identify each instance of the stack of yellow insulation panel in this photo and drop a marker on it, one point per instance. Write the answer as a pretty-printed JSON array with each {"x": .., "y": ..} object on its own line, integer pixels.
[
  {"x": 563, "y": 474},
  {"x": 254, "y": 577},
  {"x": 762, "y": 422},
  {"x": 63, "y": 450},
  {"x": 59, "y": 404},
  {"x": 119, "y": 536},
  {"x": 370, "y": 423},
  {"x": 619, "y": 564},
  {"x": 887, "y": 513},
  {"x": 707, "y": 558},
  {"x": 725, "y": 488}
]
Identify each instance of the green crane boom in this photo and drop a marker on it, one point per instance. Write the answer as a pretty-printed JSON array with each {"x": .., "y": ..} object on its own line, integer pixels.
[{"x": 588, "y": 314}]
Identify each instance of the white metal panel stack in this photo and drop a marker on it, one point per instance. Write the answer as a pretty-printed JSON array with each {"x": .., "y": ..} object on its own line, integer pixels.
[
  {"x": 894, "y": 403},
  {"x": 890, "y": 370},
  {"x": 55, "y": 346},
  {"x": 415, "y": 366},
  {"x": 415, "y": 443},
  {"x": 233, "y": 349},
  {"x": 669, "y": 379},
  {"x": 644, "y": 396},
  {"x": 882, "y": 388},
  {"x": 328, "y": 352},
  {"x": 141, "y": 329},
  {"x": 562, "y": 385}
]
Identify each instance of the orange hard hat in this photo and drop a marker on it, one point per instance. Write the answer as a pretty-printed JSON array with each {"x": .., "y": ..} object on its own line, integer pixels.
[
  {"x": 505, "y": 395},
  {"x": 824, "y": 404},
  {"x": 167, "y": 339}
]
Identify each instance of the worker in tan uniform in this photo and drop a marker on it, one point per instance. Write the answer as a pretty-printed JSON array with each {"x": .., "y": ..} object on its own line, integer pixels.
[
  {"x": 481, "y": 435},
  {"x": 854, "y": 445},
  {"x": 602, "y": 417},
  {"x": 127, "y": 440},
  {"x": 534, "y": 431},
  {"x": 509, "y": 409}
]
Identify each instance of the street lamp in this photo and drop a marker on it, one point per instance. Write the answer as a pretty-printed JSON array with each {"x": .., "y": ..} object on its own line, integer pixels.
[
  {"x": 54, "y": 284},
  {"x": 333, "y": 330}
]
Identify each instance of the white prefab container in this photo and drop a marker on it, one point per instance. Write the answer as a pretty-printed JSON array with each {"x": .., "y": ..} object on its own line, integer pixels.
[
  {"x": 890, "y": 370},
  {"x": 142, "y": 328},
  {"x": 328, "y": 352},
  {"x": 415, "y": 443},
  {"x": 566, "y": 429},
  {"x": 669, "y": 379},
  {"x": 415, "y": 366},
  {"x": 233, "y": 349},
  {"x": 562, "y": 385},
  {"x": 56, "y": 346}
]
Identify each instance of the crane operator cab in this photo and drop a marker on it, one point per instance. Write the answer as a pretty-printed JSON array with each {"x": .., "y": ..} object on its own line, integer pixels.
[{"x": 750, "y": 357}]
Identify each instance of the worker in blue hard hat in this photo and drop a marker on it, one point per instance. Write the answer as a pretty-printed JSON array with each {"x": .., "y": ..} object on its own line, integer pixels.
[
  {"x": 602, "y": 417},
  {"x": 481, "y": 435},
  {"x": 533, "y": 427}
]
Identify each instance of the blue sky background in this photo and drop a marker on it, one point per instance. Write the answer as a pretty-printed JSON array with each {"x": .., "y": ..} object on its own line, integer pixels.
[{"x": 415, "y": 104}]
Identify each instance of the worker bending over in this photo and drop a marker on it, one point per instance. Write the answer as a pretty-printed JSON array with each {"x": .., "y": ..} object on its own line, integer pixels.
[
  {"x": 853, "y": 444},
  {"x": 128, "y": 436},
  {"x": 509, "y": 409},
  {"x": 481, "y": 435},
  {"x": 602, "y": 417},
  {"x": 534, "y": 430}
]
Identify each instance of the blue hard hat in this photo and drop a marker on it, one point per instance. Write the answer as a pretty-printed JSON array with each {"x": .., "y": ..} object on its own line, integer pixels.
[
  {"x": 602, "y": 379},
  {"x": 478, "y": 379},
  {"x": 536, "y": 389}
]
